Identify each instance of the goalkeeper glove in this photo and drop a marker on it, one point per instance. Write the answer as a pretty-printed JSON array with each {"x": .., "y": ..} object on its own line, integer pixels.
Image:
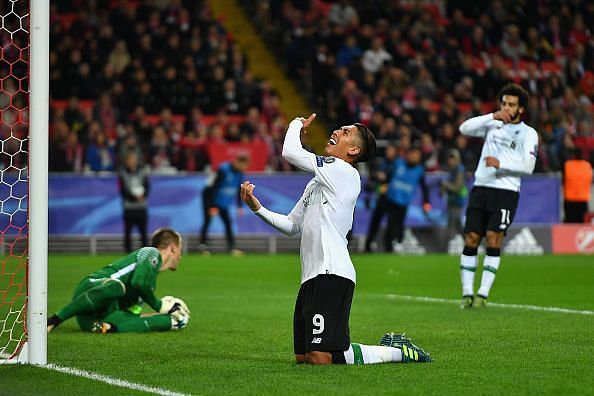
[{"x": 175, "y": 307}]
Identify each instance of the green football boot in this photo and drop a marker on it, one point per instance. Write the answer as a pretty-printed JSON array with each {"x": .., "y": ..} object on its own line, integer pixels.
[
  {"x": 410, "y": 352},
  {"x": 394, "y": 340},
  {"x": 467, "y": 302},
  {"x": 103, "y": 328},
  {"x": 479, "y": 302}
]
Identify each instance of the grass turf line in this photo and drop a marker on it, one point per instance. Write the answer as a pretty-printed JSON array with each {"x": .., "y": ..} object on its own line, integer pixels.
[{"x": 240, "y": 337}]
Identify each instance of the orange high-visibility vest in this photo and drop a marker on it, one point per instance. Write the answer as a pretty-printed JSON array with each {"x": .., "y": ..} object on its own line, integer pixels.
[{"x": 578, "y": 178}]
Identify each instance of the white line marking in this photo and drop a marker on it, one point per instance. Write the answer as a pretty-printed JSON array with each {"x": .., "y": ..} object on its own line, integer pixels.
[
  {"x": 112, "y": 381},
  {"x": 497, "y": 305}
]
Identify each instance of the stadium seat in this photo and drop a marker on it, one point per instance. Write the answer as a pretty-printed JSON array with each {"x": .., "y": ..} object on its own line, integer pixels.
[{"x": 549, "y": 67}]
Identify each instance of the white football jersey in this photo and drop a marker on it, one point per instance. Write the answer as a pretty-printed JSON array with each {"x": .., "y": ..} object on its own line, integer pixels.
[
  {"x": 514, "y": 145},
  {"x": 323, "y": 214}
]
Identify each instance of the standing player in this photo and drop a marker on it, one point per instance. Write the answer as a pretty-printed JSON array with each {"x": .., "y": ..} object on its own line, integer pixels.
[
  {"x": 509, "y": 151},
  {"x": 218, "y": 198},
  {"x": 324, "y": 216},
  {"x": 111, "y": 299}
]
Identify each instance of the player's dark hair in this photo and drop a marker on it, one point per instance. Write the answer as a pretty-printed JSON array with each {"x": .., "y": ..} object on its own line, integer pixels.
[
  {"x": 367, "y": 141},
  {"x": 164, "y": 237},
  {"x": 515, "y": 90}
]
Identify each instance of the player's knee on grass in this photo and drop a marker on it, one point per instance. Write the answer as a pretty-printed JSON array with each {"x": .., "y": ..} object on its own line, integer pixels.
[
  {"x": 317, "y": 357},
  {"x": 300, "y": 358}
]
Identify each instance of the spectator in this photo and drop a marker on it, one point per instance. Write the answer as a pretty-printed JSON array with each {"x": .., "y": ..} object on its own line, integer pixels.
[
  {"x": 375, "y": 57},
  {"x": 348, "y": 52},
  {"x": 100, "y": 155},
  {"x": 129, "y": 145},
  {"x": 134, "y": 188},
  {"x": 160, "y": 151},
  {"x": 119, "y": 58},
  {"x": 342, "y": 13},
  {"x": 106, "y": 114}
]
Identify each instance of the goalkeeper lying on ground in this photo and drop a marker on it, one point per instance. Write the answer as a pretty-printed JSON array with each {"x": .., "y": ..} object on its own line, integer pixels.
[{"x": 111, "y": 299}]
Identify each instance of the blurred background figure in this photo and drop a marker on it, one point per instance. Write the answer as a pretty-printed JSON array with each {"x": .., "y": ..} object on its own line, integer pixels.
[
  {"x": 218, "y": 197},
  {"x": 408, "y": 173},
  {"x": 378, "y": 182},
  {"x": 134, "y": 187},
  {"x": 454, "y": 187},
  {"x": 577, "y": 180}
]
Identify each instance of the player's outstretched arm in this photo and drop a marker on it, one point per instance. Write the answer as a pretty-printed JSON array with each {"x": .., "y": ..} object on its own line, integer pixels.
[
  {"x": 288, "y": 225},
  {"x": 293, "y": 151}
]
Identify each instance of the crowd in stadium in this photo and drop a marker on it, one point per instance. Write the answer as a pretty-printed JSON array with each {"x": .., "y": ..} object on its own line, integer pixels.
[
  {"x": 165, "y": 81},
  {"x": 418, "y": 68}
]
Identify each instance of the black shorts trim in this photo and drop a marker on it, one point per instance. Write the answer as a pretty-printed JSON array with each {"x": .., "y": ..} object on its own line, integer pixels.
[
  {"x": 490, "y": 209},
  {"x": 321, "y": 317}
]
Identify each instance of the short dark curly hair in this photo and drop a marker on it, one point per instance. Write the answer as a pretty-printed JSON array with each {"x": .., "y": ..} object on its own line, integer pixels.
[
  {"x": 367, "y": 141},
  {"x": 515, "y": 90}
]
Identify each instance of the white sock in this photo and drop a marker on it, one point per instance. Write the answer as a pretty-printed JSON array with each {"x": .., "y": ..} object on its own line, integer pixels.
[
  {"x": 490, "y": 267},
  {"x": 467, "y": 269},
  {"x": 372, "y": 354}
]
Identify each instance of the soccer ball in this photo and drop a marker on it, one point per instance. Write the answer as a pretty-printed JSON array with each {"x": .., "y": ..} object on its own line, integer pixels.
[
  {"x": 179, "y": 320},
  {"x": 176, "y": 307},
  {"x": 180, "y": 310}
]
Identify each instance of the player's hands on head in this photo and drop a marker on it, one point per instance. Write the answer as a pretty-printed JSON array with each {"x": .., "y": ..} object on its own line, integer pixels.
[
  {"x": 502, "y": 116},
  {"x": 247, "y": 195},
  {"x": 307, "y": 121}
]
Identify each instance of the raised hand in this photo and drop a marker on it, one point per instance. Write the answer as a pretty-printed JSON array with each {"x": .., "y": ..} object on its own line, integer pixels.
[
  {"x": 307, "y": 121},
  {"x": 247, "y": 195},
  {"x": 502, "y": 116}
]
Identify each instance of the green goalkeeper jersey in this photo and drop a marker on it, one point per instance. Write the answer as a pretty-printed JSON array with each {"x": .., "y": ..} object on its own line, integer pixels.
[{"x": 138, "y": 272}]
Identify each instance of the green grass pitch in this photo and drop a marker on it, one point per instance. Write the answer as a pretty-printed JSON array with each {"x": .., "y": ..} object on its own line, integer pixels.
[{"x": 239, "y": 339}]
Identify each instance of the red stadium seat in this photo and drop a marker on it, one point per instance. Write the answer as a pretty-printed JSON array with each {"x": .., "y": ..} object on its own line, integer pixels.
[
  {"x": 549, "y": 67},
  {"x": 61, "y": 104},
  {"x": 154, "y": 119},
  {"x": 479, "y": 65}
]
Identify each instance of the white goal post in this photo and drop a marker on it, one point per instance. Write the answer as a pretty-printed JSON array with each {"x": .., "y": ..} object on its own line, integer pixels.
[{"x": 23, "y": 338}]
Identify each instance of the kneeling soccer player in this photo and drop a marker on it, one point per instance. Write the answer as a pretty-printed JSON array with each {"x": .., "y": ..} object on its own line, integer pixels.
[
  {"x": 324, "y": 216},
  {"x": 111, "y": 299}
]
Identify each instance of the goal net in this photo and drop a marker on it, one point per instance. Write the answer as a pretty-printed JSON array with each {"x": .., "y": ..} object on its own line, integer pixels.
[{"x": 14, "y": 194}]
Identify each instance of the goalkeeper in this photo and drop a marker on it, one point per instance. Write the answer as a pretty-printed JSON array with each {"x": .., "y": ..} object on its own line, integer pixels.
[{"x": 111, "y": 299}]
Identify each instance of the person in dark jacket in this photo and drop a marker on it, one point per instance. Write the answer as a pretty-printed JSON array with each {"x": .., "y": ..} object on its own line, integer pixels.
[{"x": 134, "y": 187}]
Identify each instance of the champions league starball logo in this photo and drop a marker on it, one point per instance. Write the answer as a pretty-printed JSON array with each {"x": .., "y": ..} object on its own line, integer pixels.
[{"x": 584, "y": 240}]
